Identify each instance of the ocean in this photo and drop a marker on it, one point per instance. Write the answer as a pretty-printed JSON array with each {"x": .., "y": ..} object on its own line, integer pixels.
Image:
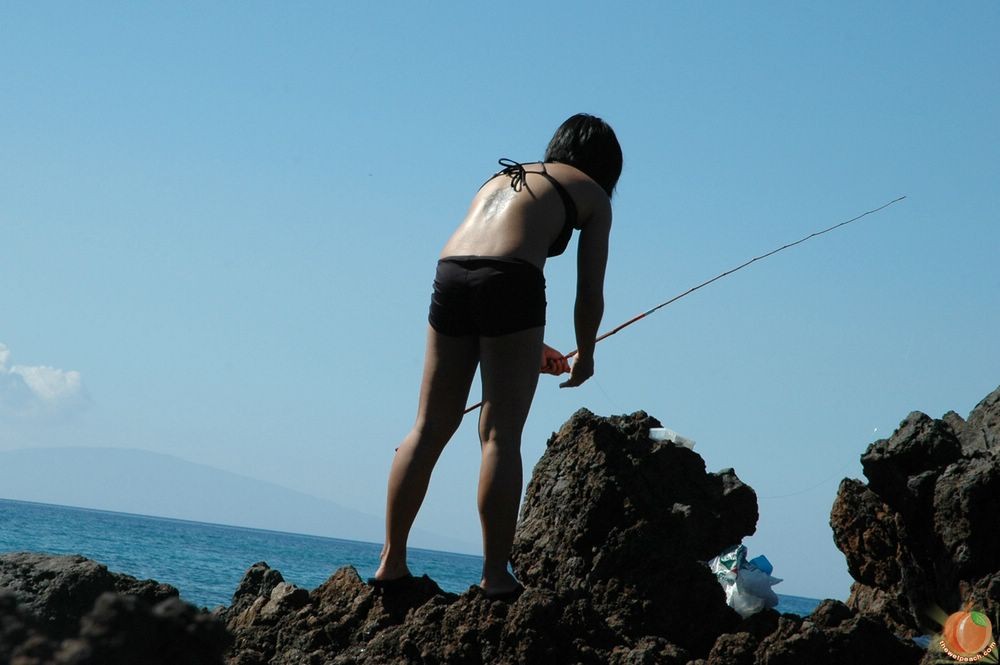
[{"x": 207, "y": 561}]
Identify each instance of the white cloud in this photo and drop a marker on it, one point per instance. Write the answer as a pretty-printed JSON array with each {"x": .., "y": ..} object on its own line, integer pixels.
[{"x": 37, "y": 391}]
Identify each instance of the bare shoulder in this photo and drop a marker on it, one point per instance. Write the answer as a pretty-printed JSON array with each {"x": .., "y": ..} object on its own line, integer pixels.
[{"x": 592, "y": 202}]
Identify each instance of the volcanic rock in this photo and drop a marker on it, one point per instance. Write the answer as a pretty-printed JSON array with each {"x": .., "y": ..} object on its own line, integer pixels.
[
  {"x": 610, "y": 546},
  {"x": 19, "y": 634},
  {"x": 833, "y": 635},
  {"x": 625, "y": 522},
  {"x": 67, "y": 610},
  {"x": 922, "y": 535},
  {"x": 982, "y": 429},
  {"x": 59, "y": 590}
]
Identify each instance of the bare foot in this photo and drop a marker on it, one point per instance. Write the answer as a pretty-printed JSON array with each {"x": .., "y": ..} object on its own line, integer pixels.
[
  {"x": 500, "y": 585},
  {"x": 386, "y": 573},
  {"x": 390, "y": 567}
]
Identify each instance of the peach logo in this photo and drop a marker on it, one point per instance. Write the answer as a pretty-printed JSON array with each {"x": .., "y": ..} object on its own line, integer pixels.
[{"x": 968, "y": 637}]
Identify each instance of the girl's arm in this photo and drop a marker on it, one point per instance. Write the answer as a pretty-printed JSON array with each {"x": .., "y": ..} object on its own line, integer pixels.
[{"x": 592, "y": 260}]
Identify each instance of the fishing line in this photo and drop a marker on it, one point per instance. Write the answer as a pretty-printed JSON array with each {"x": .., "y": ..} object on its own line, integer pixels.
[
  {"x": 720, "y": 276},
  {"x": 605, "y": 393},
  {"x": 839, "y": 472}
]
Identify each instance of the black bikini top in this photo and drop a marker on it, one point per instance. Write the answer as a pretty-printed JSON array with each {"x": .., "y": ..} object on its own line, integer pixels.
[{"x": 517, "y": 174}]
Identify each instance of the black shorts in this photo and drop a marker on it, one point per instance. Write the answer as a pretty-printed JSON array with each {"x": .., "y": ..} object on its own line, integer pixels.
[{"x": 486, "y": 295}]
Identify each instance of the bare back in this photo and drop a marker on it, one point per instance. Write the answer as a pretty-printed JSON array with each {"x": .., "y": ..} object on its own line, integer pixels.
[{"x": 523, "y": 223}]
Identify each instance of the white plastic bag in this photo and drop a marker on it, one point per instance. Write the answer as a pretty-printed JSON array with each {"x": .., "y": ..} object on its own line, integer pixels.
[
  {"x": 747, "y": 583},
  {"x": 665, "y": 434}
]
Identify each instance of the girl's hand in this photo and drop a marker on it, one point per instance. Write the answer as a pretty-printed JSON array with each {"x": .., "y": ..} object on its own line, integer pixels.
[
  {"x": 583, "y": 369},
  {"x": 553, "y": 362}
]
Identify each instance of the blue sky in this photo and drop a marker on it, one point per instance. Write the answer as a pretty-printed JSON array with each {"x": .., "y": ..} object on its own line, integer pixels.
[{"x": 218, "y": 227}]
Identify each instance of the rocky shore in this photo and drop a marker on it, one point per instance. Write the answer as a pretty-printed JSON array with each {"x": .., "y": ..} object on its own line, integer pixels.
[{"x": 613, "y": 534}]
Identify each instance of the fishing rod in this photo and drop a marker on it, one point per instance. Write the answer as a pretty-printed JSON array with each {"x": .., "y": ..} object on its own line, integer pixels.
[{"x": 718, "y": 277}]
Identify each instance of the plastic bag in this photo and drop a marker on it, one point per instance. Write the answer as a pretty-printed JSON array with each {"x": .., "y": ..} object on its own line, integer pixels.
[
  {"x": 665, "y": 434},
  {"x": 747, "y": 583}
]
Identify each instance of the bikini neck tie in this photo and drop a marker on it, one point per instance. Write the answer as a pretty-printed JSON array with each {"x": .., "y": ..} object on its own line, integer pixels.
[{"x": 515, "y": 170}]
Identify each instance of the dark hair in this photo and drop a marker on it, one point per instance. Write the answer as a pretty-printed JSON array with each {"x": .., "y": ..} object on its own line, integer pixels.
[{"x": 589, "y": 144}]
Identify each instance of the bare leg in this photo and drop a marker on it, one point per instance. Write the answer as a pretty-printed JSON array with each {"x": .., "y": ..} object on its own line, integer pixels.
[
  {"x": 510, "y": 367},
  {"x": 449, "y": 366}
]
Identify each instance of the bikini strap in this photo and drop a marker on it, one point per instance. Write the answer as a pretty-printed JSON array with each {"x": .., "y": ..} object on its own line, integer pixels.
[
  {"x": 514, "y": 170},
  {"x": 517, "y": 174}
]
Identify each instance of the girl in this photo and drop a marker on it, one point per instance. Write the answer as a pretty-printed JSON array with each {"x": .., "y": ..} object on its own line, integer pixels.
[{"x": 488, "y": 310}]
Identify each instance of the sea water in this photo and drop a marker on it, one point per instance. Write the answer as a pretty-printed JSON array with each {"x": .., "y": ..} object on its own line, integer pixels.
[{"x": 207, "y": 561}]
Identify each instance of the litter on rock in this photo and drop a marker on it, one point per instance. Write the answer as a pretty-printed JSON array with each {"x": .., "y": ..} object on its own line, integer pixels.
[
  {"x": 664, "y": 434},
  {"x": 747, "y": 583}
]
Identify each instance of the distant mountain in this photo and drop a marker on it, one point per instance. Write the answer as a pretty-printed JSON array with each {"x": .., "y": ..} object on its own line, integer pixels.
[{"x": 148, "y": 483}]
